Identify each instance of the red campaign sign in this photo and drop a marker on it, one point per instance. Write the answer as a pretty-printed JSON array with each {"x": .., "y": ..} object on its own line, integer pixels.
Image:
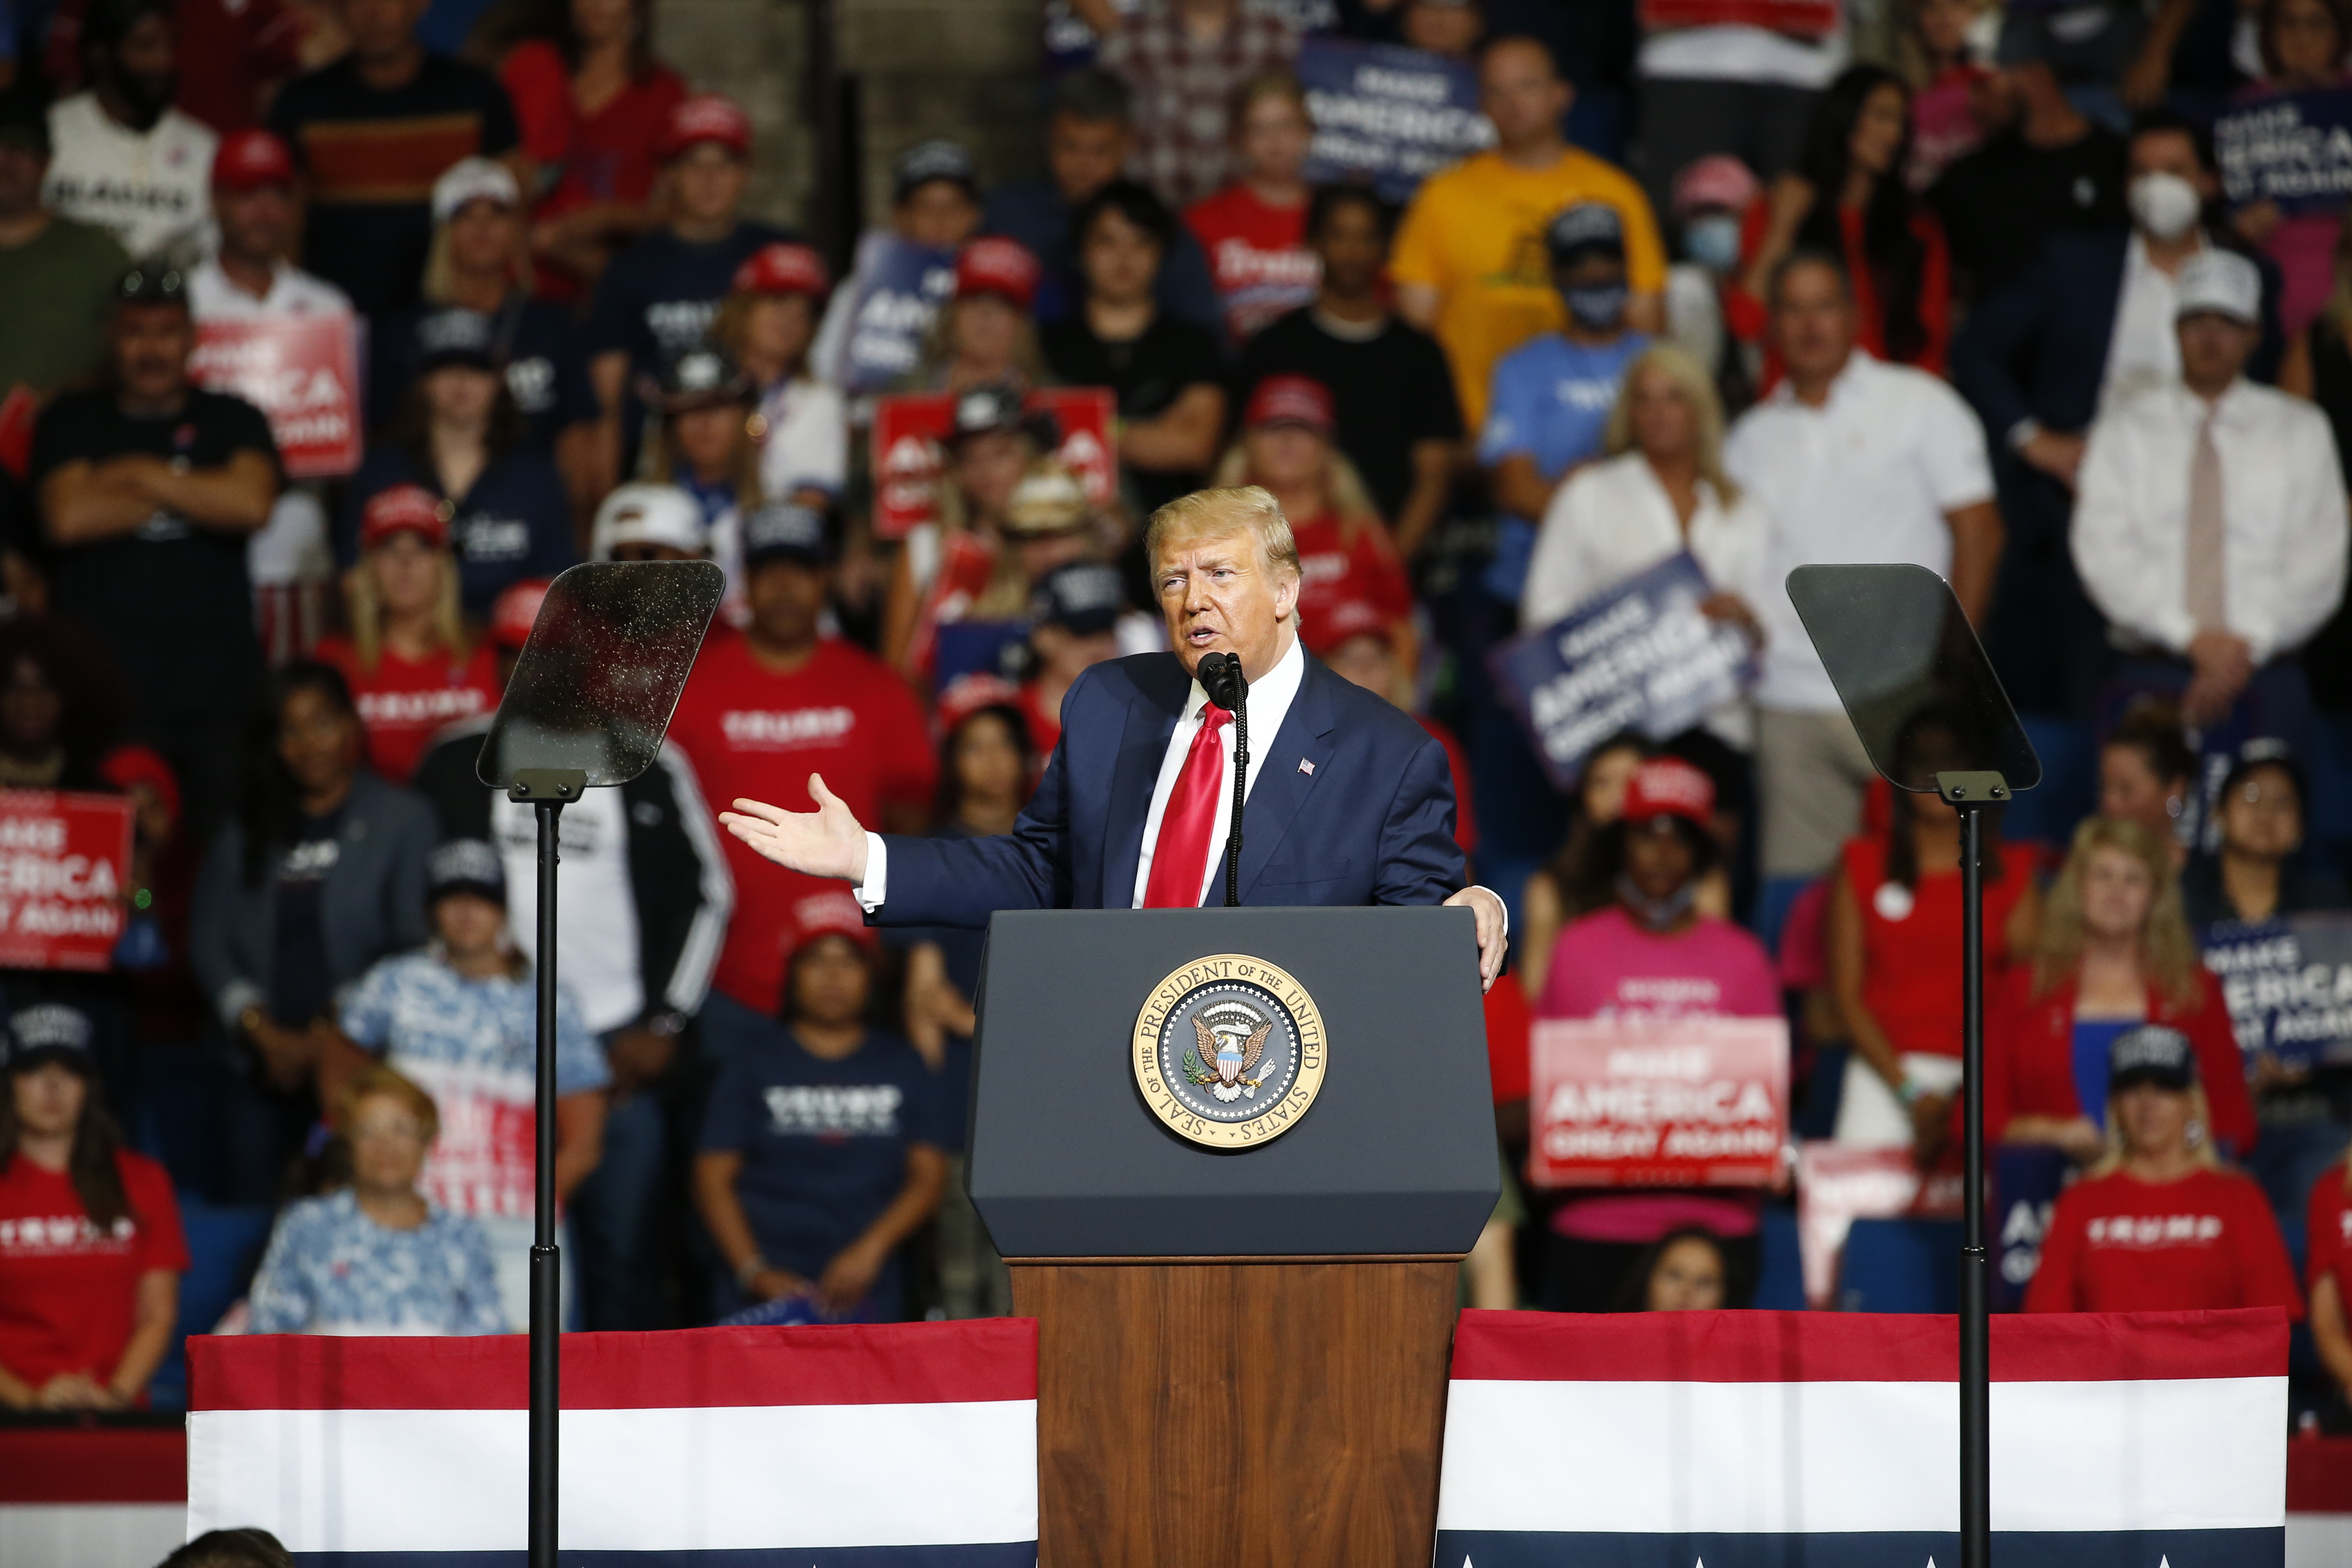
[
  {"x": 909, "y": 428},
  {"x": 64, "y": 859},
  {"x": 1675, "y": 1103},
  {"x": 303, "y": 371},
  {"x": 1838, "y": 1184}
]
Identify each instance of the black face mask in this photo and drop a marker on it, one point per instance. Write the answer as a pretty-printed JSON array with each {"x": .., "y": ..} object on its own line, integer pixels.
[
  {"x": 1596, "y": 308},
  {"x": 1656, "y": 914}
]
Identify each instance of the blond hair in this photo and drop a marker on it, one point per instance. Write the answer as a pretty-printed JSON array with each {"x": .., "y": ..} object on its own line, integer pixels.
[
  {"x": 1344, "y": 491},
  {"x": 436, "y": 287},
  {"x": 2167, "y": 952},
  {"x": 2201, "y": 1150},
  {"x": 1275, "y": 83},
  {"x": 388, "y": 1083},
  {"x": 365, "y": 606},
  {"x": 662, "y": 463},
  {"x": 1213, "y": 514},
  {"x": 1697, "y": 389}
]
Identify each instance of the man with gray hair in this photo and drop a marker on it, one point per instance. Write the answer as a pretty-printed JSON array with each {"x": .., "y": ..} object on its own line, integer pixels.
[
  {"x": 1350, "y": 802},
  {"x": 2209, "y": 527}
]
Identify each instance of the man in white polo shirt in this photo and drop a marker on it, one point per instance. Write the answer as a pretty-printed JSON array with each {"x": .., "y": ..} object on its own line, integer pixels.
[
  {"x": 2209, "y": 528},
  {"x": 1852, "y": 460}
]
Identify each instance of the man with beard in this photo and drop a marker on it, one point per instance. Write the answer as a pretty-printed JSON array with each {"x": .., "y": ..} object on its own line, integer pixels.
[{"x": 124, "y": 159}]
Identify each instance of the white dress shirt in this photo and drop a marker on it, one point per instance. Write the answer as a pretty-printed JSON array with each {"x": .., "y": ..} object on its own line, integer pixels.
[
  {"x": 2283, "y": 516},
  {"x": 1270, "y": 697},
  {"x": 1869, "y": 476},
  {"x": 2144, "y": 349},
  {"x": 1614, "y": 520},
  {"x": 212, "y": 297}
]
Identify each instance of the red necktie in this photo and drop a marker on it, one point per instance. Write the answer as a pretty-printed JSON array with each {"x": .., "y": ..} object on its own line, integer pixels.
[{"x": 1180, "y": 861}]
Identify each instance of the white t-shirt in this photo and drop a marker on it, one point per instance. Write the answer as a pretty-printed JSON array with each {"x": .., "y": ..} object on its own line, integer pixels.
[
  {"x": 596, "y": 931},
  {"x": 1869, "y": 476},
  {"x": 1734, "y": 53},
  {"x": 146, "y": 188},
  {"x": 292, "y": 292},
  {"x": 807, "y": 442}
]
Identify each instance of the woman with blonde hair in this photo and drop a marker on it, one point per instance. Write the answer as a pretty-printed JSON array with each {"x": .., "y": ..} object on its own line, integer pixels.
[
  {"x": 986, "y": 332},
  {"x": 767, "y": 323},
  {"x": 1661, "y": 491},
  {"x": 2157, "y": 1225},
  {"x": 2113, "y": 953},
  {"x": 412, "y": 665},
  {"x": 1345, "y": 554}
]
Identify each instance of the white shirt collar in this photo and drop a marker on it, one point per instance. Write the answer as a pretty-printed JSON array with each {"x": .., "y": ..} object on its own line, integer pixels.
[
  {"x": 1859, "y": 363},
  {"x": 1270, "y": 695}
]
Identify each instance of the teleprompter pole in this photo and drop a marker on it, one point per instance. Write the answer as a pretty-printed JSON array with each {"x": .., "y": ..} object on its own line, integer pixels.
[
  {"x": 1972, "y": 795},
  {"x": 546, "y": 791}
]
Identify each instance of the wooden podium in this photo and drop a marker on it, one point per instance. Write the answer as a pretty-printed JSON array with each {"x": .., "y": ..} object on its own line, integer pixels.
[{"x": 1243, "y": 1351}]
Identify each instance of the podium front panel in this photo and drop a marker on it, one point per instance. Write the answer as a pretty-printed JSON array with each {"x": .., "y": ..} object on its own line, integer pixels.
[{"x": 1396, "y": 1155}]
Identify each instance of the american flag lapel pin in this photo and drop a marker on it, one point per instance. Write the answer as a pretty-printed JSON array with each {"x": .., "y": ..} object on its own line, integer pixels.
[{"x": 1306, "y": 767}]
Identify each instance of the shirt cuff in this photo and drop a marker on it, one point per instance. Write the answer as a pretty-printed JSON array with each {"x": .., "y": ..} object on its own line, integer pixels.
[{"x": 876, "y": 886}]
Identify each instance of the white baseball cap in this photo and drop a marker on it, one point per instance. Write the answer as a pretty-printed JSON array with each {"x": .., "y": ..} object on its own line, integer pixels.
[
  {"x": 2222, "y": 282},
  {"x": 473, "y": 180},
  {"x": 648, "y": 514}
]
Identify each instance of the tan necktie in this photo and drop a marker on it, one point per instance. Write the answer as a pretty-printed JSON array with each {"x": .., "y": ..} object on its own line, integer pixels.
[{"x": 2208, "y": 600}]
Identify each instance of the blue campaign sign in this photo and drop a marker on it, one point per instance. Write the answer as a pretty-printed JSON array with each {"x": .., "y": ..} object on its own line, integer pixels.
[
  {"x": 2294, "y": 148},
  {"x": 2288, "y": 985},
  {"x": 2026, "y": 1179},
  {"x": 1387, "y": 114},
  {"x": 1641, "y": 657},
  {"x": 900, "y": 293}
]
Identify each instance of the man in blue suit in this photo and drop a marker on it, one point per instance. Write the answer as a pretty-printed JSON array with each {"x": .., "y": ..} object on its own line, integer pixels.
[{"x": 1349, "y": 800}]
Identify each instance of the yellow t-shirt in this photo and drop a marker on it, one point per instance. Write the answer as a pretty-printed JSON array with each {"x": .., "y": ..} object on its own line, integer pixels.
[{"x": 1476, "y": 233}]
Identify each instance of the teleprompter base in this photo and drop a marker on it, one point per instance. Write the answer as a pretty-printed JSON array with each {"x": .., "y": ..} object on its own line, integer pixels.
[{"x": 1277, "y": 1414}]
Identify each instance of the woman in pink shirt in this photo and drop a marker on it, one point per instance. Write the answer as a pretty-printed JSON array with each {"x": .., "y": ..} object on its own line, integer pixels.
[{"x": 1652, "y": 955}]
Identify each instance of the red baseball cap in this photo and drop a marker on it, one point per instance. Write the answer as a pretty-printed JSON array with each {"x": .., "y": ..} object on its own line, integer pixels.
[
  {"x": 782, "y": 269},
  {"x": 249, "y": 160},
  {"x": 515, "y": 611},
  {"x": 402, "y": 509},
  {"x": 1290, "y": 400},
  {"x": 1669, "y": 786},
  {"x": 1718, "y": 180},
  {"x": 974, "y": 693},
  {"x": 127, "y": 766},
  {"x": 992, "y": 265},
  {"x": 1349, "y": 618},
  {"x": 832, "y": 912},
  {"x": 706, "y": 117}
]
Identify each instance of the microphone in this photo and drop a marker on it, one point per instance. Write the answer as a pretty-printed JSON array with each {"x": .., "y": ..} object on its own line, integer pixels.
[{"x": 1221, "y": 677}]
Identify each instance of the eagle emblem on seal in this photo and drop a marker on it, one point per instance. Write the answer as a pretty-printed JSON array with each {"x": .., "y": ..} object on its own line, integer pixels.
[{"x": 1228, "y": 1041}]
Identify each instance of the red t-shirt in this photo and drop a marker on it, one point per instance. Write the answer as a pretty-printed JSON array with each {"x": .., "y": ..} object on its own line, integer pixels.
[
  {"x": 2117, "y": 1244},
  {"x": 1334, "y": 571},
  {"x": 1509, "y": 1023},
  {"x": 755, "y": 734},
  {"x": 1466, "y": 825},
  {"x": 607, "y": 156},
  {"x": 1911, "y": 943},
  {"x": 1045, "y": 728},
  {"x": 1257, "y": 257},
  {"x": 2327, "y": 1232},
  {"x": 404, "y": 702},
  {"x": 68, "y": 1291}
]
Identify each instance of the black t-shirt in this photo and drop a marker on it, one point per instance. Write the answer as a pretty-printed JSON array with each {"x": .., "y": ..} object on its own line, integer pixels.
[
  {"x": 301, "y": 981},
  {"x": 1388, "y": 392},
  {"x": 2002, "y": 201},
  {"x": 371, "y": 157},
  {"x": 1147, "y": 373},
  {"x": 659, "y": 297},
  {"x": 171, "y": 601}
]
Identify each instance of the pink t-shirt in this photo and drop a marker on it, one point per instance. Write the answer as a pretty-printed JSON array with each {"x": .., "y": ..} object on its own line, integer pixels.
[{"x": 1605, "y": 966}]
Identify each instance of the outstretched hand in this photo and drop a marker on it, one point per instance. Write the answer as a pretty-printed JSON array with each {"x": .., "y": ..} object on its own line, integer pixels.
[{"x": 826, "y": 842}]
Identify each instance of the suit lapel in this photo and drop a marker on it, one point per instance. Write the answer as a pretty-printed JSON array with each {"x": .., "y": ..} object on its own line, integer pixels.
[
  {"x": 1151, "y": 715},
  {"x": 1282, "y": 785}
]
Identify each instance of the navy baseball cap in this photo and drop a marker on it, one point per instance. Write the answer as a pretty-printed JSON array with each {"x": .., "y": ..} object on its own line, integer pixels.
[
  {"x": 466, "y": 865},
  {"x": 1587, "y": 225},
  {"x": 2265, "y": 752},
  {"x": 698, "y": 377},
  {"x": 784, "y": 530},
  {"x": 1085, "y": 598},
  {"x": 50, "y": 1032},
  {"x": 937, "y": 159},
  {"x": 456, "y": 337},
  {"x": 2152, "y": 1053}
]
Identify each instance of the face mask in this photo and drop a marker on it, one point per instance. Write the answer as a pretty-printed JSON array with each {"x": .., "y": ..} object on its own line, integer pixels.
[
  {"x": 1712, "y": 241},
  {"x": 1597, "y": 309},
  {"x": 1657, "y": 914},
  {"x": 2164, "y": 205}
]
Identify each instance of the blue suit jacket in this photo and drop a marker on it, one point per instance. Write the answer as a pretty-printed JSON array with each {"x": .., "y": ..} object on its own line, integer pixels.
[
  {"x": 2039, "y": 347},
  {"x": 1372, "y": 824}
]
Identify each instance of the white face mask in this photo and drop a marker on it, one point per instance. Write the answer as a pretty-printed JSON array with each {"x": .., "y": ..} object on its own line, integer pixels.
[{"x": 2164, "y": 205}]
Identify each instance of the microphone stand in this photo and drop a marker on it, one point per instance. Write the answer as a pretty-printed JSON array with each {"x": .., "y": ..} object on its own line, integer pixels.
[{"x": 1222, "y": 678}]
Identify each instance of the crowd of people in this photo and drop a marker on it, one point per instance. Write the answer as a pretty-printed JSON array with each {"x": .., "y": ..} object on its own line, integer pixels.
[{"x": 1955, "y": 285}]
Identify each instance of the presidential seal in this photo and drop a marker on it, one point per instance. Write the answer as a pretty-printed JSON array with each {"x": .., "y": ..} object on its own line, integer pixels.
[{"x": 1229, "y": 1051}]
